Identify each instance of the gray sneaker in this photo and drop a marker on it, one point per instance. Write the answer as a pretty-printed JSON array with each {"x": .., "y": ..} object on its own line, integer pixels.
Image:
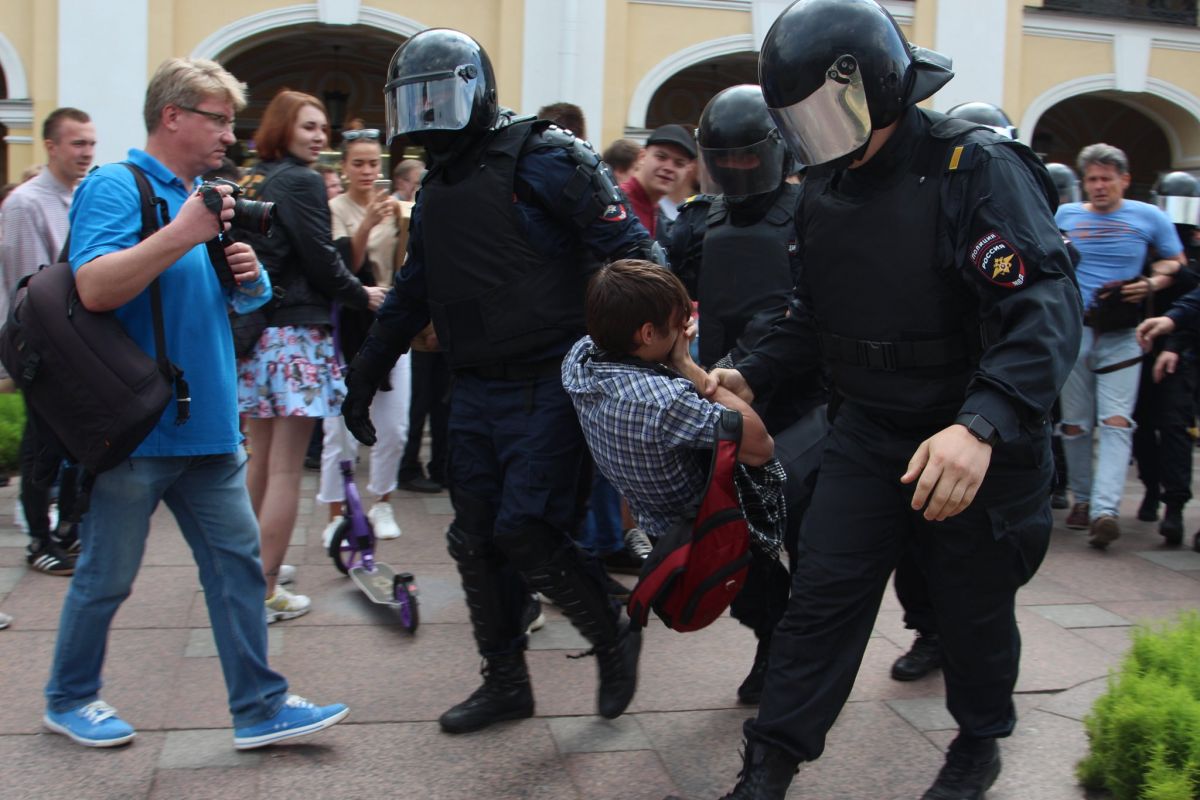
[
  {"x": 5, "y": 620},
  {"x": 1105, "y": 529}
]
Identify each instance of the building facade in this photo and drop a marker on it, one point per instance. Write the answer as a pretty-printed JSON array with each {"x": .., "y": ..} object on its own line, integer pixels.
[{"x": 1068, "y": 72}]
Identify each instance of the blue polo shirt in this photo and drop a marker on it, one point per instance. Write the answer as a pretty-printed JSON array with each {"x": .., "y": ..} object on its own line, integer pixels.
[
  {"x": 1113, "y": 246},
  {"x": 106, "y": 218}
]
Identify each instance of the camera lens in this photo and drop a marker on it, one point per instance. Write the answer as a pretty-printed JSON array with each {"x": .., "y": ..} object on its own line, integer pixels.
[{"x": 253, "y": 215}]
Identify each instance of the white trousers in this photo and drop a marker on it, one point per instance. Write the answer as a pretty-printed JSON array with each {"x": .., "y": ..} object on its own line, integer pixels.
[{"x": 389, "y": 415}]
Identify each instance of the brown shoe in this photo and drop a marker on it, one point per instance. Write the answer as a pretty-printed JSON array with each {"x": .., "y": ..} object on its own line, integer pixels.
[
  {"x": 1078, "y": 518},
  {"x": 1104, "y": 530}
]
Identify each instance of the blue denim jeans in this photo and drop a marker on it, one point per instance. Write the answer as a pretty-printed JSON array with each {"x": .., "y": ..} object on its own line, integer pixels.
[
  {"x": 207, "y": 495},
  {"x": 1087, "y": 400}
]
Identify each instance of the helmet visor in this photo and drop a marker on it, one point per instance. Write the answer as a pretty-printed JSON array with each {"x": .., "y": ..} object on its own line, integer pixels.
[
  {"x": 832, "y": 121},
  {"x": 1181, "y": 210},
  {"x": 740, "y": 171},
  {"x": 439, "y": 101}
]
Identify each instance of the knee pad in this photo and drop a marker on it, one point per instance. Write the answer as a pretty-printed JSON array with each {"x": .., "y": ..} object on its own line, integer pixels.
[
  {"x": 466, "y": 547},
  {"x": 532, "y": 545}
]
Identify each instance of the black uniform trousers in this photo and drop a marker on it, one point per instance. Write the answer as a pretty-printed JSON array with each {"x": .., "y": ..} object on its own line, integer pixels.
[
  {"x": 857, "y": 528},
  {"x": 1162, "y": 444}
]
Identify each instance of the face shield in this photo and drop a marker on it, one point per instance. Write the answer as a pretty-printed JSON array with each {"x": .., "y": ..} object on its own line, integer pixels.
[
  {"x": 742, "y": 171},
  {"x": 434, "y": 101},
  {"x": 832, "y": 121},
  {"x": 1181, "y": 210}
]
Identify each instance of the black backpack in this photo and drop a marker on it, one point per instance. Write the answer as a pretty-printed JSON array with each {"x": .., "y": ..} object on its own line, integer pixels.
[
  {"x": 698, "y": 567},
  {"x": 85, "y": 381}
]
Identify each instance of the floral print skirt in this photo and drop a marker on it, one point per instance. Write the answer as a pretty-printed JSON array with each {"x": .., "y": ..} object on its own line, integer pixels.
[{"x": 292, "y": 371}]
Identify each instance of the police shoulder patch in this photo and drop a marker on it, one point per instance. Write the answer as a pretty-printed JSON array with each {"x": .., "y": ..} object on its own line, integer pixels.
[
  {"x": 998, "y": 261},
  {"x": 614, "y": 212}
]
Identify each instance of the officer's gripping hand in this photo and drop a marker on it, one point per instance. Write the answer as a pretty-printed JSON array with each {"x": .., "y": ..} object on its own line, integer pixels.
[
  {"x": 732, "y": 380},
  {"x": 362, "y": 380},
  {"x": 951, "y": 465},
  {"x": 1166, "y": 364},
  {"x": 1152, "y": 328}
]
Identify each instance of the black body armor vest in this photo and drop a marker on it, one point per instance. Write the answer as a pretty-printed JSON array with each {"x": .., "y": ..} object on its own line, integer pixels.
[
  {"x": 899, "y": 328},
  {"x": 493, "y": 298},
  {"x": 744, "y": 270}
]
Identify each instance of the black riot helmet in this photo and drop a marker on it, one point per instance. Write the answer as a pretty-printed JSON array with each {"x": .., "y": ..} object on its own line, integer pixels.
[
  {"x": 741, "y": 153},
  {"x": 833, "y": 71},
  {"x": 1178, "y": 195},
  {"x": 441, "y": 91},
  {"x": 985, "y": 114},
  {"x": 1066, "y": 181}
]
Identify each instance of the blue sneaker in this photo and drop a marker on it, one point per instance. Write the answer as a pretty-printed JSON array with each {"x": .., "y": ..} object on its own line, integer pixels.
[
  {"x": 95, "y": 724},
  {"x": 297, "y": 717}
]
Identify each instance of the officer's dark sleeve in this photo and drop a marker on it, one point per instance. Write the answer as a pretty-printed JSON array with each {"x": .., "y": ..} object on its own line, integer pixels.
[
  {"x": 404, "y": 312},
  {"x": 1186, "y": 311},
  {"x": 613, "y": 231},
  {"x": 1015, "y": 260},
  {"x": 685, "y": 244},
  {"x": 303, "y": 210}
]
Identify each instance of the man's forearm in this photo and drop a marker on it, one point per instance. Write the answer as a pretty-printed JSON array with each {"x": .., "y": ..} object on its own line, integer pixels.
[{"x": 113, "y": 279}]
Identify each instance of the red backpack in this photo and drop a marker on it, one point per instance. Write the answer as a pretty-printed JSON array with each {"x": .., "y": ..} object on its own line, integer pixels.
[{"x": 700, "y": 565}]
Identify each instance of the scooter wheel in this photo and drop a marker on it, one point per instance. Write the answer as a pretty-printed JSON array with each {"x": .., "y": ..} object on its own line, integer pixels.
[
  {"x": 340, "y": 549},
  {"x": 406, "y": 604}
]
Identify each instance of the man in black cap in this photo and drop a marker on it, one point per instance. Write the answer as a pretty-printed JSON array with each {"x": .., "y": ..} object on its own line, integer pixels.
[{"x": 669, "y": 152}]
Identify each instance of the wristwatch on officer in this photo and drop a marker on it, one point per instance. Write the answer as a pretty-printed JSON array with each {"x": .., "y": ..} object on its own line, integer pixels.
[{"x": 980, "y": 428}]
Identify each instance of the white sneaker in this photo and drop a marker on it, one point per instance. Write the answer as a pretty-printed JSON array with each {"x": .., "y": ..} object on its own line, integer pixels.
[
  {"x": 383, "y": 521},
  {"x": 5, "y": 621},
  {"x": 287, "y": 574},
  {"x": 330, "y": 530},
  {"x": 285, "y": 605}
]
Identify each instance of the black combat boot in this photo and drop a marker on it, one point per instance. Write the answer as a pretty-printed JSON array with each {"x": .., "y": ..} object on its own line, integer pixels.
[
  {"x": 924, "y": 657},
  {"x": 766, "y": 773},
  {"x": 972, "y": 766},
  {"x": 505, "y": 694},
  {"x": 751, "y": 689},
  {"x": 1148, "y": 510},
  {"x": 1171, "y": 527},
  {"x": 618, "y": 665}
]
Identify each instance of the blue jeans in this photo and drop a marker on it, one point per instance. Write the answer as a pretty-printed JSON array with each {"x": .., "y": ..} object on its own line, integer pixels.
[
  {"x": 207, "y": 495},
  {"x": 1087, "y": 400},
  {"x": 602, "y": 528}
]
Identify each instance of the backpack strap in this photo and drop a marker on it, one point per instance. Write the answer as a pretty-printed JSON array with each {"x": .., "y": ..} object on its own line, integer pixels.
[{"x": 153, "y": 208}]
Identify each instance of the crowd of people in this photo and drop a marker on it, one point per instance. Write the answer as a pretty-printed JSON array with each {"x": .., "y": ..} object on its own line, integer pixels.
[{"x": 574, "y": 325}]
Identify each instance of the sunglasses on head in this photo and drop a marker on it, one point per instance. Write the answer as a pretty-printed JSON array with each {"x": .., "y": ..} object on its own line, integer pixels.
[{"x": 366, "y": 133}]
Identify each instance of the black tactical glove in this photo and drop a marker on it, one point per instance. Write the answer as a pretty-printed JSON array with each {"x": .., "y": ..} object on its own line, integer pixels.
[{"x": 363, "y": 378}]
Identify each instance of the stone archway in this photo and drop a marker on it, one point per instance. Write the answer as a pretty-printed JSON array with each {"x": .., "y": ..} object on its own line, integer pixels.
[
  {"x": 636, "y": 123},
  {"x": 683, "y": 96},
  {"x": 1175, "y": 112}
]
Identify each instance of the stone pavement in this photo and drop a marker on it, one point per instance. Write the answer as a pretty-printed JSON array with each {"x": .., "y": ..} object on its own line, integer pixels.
[{"x": 681, "y": 734}]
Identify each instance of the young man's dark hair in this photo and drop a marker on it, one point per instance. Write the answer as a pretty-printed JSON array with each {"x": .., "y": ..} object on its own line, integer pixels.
[
  {"x": 625, "y": 295},
  {"x": 565, "y": 115},
  {"x": 54, "y": 120},
  {"x": 621, "y": 154}
]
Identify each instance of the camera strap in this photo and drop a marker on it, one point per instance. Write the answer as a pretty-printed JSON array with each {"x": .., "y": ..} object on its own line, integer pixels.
[{"x": 154, "y": 208}]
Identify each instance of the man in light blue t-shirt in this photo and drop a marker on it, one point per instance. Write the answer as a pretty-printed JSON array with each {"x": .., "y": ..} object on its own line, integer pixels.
[
  {"x": 1114, "y": 236},
  {"x": 197, "y": 468}
]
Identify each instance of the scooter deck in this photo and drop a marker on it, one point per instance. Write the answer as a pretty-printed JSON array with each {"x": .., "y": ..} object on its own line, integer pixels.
[{"x": 376, "y": 585}]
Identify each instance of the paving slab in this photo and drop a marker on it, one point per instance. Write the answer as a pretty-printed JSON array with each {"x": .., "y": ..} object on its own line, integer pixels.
[
  {"x": 10, "y": 576},
  {"x": 197, "y": 749},
  {"x": 638, "y": 775},
  {"x": 1075, "y": 703},
  {"x": 201, "y": 644},
  {"x": 598, "y": 735},
  {"x": 1178, "y": 560},
  {"x": 209, "y": 783},
  {"x": 47, "y": 766},
  {"x": 1079, "y": 615}
]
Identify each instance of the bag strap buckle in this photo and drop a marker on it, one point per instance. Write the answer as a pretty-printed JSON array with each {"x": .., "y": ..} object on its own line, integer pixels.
[{"x": 877, "y": 355}]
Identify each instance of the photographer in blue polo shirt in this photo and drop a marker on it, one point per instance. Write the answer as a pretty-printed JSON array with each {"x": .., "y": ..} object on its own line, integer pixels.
[{"x": 196, "y": 468}]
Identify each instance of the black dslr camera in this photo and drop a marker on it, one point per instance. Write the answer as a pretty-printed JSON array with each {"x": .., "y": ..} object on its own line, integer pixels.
[{"x": 248, "y": 215}]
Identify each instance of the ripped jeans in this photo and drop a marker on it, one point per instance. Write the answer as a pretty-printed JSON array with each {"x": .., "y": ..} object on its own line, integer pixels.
[{"x": 1087, "y": 400}]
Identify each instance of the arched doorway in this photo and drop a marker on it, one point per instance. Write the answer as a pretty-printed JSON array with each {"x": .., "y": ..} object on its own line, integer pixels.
[
  {"x": 344, "y": 66},
  {"x": 682, "y": 97},
  {"x": 1069, "y": 126}
]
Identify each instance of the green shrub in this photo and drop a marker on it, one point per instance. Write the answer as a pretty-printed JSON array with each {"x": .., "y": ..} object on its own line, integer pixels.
[
  {"x": 1144, "y": 731},
  {"x": 12, "y": 425}
]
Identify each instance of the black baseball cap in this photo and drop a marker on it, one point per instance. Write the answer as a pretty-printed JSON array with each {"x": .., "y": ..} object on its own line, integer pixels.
[{"x": 676, "y": 135}]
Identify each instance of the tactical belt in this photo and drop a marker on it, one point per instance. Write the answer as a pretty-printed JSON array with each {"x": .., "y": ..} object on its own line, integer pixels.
[
  {"x": 891, "y": 356},
  {"x": 515, "y": 371}
]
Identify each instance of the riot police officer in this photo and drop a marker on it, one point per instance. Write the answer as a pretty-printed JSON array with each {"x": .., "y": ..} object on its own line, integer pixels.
[
  {"x": 936, "y": 289},
  {"x": 1166, "y": 405},
  {"x": 736, "y": 243},
  {"x": 497, "y": 257},
  {"x": 1065, "y": 181}
]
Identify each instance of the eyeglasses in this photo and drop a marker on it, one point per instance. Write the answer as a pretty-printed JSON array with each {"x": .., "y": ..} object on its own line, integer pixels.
[
  {"x": 221, "y": 120},
  {"x": 371, "y": 134}
]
